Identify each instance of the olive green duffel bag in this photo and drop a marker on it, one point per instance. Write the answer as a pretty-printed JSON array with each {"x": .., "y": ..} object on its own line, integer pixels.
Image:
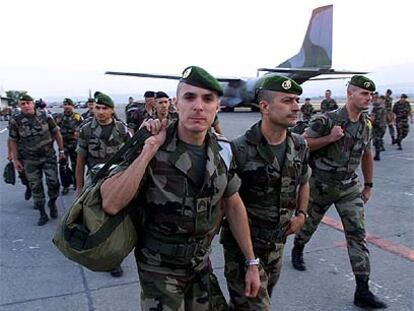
[{"x": 91, "y": 237}]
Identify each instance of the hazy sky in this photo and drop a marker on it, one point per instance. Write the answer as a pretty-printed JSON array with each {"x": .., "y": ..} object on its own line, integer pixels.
[{"x": 63, "y": 48}]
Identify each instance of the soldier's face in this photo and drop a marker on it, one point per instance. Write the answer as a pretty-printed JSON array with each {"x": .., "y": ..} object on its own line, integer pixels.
[
  {"x": 27, "y": 107},
  {"x": 328, "y": 94},
  {"x": 150, "y": 101},
  {"x": 102, "y": 113},
  {"x": 91, "y": 106},
  {"x": 161, "y": 106},
  {"x": 360, "y": 98},
  {"x": 196, "y": 107},
  {"x": 67, "y": 108},
  {"x": 282, "y": 110}
]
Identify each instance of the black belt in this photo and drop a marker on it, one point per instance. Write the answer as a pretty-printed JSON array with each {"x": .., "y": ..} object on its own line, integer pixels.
[{"x": 181, "y": 250}]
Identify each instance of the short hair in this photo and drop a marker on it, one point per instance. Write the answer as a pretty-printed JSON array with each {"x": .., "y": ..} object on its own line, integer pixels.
[
  {"x": 388, "y": 92},
  {"x": 265, "y": 95}
]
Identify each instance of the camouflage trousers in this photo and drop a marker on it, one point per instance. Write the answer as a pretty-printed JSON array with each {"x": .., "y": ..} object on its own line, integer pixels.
[
  {"x": 402, "y": 128},
  {"x": 378, "y": 137},
  {"x": 34, "y": 172},
  {"x": 348, "y": 202},
  {"x": 235, "y": 271},
  {"x": 196, "y": 292},
  {"x": 71, "y": 154}
]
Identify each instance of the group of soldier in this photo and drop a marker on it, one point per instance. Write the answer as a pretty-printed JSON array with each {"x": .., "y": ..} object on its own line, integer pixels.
[{"x": 190, "y": 182}]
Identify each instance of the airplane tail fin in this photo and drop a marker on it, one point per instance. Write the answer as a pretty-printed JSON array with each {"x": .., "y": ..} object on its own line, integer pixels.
[{"x": 316, "y": 50}]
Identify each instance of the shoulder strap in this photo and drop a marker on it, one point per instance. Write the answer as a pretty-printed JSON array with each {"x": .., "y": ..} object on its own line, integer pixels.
[{"x": 131, "y": 145}]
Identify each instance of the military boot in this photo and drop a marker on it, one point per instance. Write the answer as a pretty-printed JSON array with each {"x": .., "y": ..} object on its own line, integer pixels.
[
  {"x": 117, "y": 272},
  {"x": 377, "y": 156},
  {"x": 364, "y": 298},
  {"x": 53, "y": 209},
  {"x": 27, "y": 193},
  {"x": 43, "y": 216},
  {"x": 297, "y": 258},
  {"x": 399, "y": 145}
]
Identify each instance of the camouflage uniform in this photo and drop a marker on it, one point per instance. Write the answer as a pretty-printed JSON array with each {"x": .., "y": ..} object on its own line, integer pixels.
[
  {"x": 402, "y": 110},
  {"x": 328, "y": 105},
  {"x": 140, "y": 115},
  {"x": 390, "y": 117},
  {"x": 96, "y": 149},
  {"x": 69, "y": 124},
  {"x": 130, "y": 110},
  {"x": 269, "y": 191},
  {"x": 307, "y": 111},
  {"x": 334, "y": 181},
  {"x": 181, "y": 219},
  {"x": 34, "y": 137},
  {"x": 379, "y": 126},
  {"x": 86, "y": 115}
]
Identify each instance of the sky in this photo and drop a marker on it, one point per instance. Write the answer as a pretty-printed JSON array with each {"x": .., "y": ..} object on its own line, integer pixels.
[{"x": 63, "y": 48}]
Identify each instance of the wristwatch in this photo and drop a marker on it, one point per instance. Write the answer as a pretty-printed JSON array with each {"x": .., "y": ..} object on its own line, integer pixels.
[
  {"x": 369, "y": 184},
  {"x": 302, "y": 212},
  {"x": 253, "y": 262}
]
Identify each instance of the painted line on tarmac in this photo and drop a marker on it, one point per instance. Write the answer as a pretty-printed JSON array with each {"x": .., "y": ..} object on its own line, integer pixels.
[
  {"x": 3, "y": 130},
  {"x": 391, "y": 247}
]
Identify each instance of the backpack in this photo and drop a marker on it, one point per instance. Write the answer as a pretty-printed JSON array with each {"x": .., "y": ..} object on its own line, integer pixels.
[{"x": 91, "y": 237}]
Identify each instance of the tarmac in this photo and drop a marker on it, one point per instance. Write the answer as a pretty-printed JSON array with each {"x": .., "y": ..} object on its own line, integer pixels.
[{"x": 36, "y": 276}]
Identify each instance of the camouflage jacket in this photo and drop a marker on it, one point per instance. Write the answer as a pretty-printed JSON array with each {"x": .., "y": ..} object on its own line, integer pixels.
[
  {"x": 180, "y": 219},
  {"x": 307, "y": 111},
  {"x": 130, "y": 110},
  {"x": 269, "y": 189},
  {"x": 341, "y": 158},
  {"x": 328, "y": 105},
  {"x": 69, "y": 124},
  {"x": 388, "y": 103},
  {"x": 33, "y": 134},
  {"x": 378, "y": 112},
  {"x": 86, "y": 115},
  {"x": 138, "y": 116},
  {"x": 402, "y": 110},
  {"x": 94, "y": 147}
]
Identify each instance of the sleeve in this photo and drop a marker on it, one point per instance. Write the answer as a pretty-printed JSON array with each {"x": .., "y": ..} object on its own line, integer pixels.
[
  {"x": 13, "y": 130},
  {"x": 306, "y": 169},
  {"x": 233, "y": 181},
  {"x": 82, "y": 146},
  {"x": 318, "y": 127},
  {"x": 53, "y": 127}
]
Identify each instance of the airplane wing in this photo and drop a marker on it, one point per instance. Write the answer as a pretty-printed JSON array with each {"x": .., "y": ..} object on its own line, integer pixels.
[
  {"x": 165, "y": 76},
  {"x": 324, "y": 71}
]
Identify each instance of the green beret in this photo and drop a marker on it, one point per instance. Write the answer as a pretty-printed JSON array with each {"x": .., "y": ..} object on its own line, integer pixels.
[
  {"x": 103, "y": 99},
  {"x": 149, "y": 94},
  {"x": 363, "y": 83},
  {"x": 26, "y": 98},
  {"x": 197, "y": 76},
  {"x": 91, "y": 100},
  {"x": 404, "y": 96},
  {"x": 276, "y": 83},
  {"x": 68, "y": 101}
]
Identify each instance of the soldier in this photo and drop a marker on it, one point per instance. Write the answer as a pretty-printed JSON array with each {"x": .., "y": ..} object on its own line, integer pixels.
[
  {"x": 379, "y": 125},
  {"x": 339, "y": 141},
  {"x": 402, "y": 109},
  {"x": 99, "y": 139},
  {"x": 31, "y": 137},
  {"x": 183, "y": 174},
  {"x": 130, "y": 108},
  {"x": 328, "y": 104},
  {"x": 161, "y": 108},
  {"x": 390, "y": 117},
  {"x": 307, "y": 110},
  {"x": 89, "y": 112},
  {"x": 143, "y": 112},
  {"x": 69, "y": 123},
  {"x": 266, "y": 154}
]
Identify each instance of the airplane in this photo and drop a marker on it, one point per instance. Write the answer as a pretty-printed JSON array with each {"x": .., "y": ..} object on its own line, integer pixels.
[{"x": 314, "y": 59}]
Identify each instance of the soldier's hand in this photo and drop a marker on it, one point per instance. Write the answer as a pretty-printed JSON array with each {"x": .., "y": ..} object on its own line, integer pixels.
[
  {"x": 18, "y": 165},
  {"x": 336, "y": 133},
  {"x": 295, "y": 224},
  {"x": 61, "y": 156},
  {"x": 366, "y": 194},
  {"x": 252, "y": 281},
  {"x": 158, "y": 129}
]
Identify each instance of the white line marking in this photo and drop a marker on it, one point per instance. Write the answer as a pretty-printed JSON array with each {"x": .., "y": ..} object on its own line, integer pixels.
[{"x": 3, "y": 130}]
